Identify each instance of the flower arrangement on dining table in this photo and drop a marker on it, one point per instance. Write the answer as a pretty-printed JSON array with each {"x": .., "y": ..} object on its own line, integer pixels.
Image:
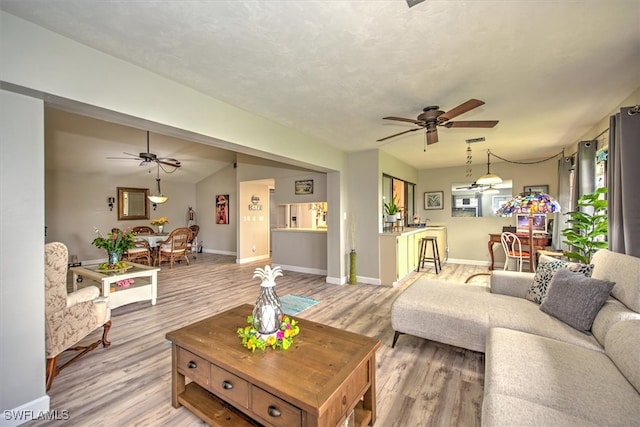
[
  {"x": 117, "y": 241},
  {"x": 159, "y": 221}
]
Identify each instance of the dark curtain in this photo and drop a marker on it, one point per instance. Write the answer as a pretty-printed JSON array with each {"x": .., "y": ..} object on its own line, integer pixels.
[
  {"x": 565, "y": 164},
  {"x": 623, "y": 176}
]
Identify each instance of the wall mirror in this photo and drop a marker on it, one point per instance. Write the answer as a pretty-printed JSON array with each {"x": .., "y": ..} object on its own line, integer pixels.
[
  {"x": 471, "y": 200},
  {"x": 133, "y": 203}
]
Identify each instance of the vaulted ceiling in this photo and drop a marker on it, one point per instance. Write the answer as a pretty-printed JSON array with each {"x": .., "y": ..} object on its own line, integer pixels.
[{"x": 547, "y": 70}]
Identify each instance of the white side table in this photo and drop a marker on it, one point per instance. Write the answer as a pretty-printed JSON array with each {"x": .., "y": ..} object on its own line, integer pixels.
[{"x": 145, "y": 286}]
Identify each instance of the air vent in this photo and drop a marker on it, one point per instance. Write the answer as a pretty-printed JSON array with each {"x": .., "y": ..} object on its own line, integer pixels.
[{"x": 474, "y": 140}]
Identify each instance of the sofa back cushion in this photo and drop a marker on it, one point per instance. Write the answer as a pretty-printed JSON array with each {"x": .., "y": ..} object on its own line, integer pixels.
[
  {"x": 612, "y": 312},
  {"x": 621, "y": 345},
  {"x": 624, "y": 271}
]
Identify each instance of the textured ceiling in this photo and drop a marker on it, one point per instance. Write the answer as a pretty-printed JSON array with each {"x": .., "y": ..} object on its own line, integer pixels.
[{"x": 548, "y": 70}]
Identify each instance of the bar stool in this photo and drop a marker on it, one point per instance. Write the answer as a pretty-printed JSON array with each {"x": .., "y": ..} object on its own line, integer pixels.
[{"x": 422, "y": 253}]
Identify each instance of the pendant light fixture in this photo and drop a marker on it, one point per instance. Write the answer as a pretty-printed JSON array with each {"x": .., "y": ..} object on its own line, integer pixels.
[
  {"x": 158, "y": 197},
  {"x": 491, "y": 190},
  {"x": 488, "y": 178}
]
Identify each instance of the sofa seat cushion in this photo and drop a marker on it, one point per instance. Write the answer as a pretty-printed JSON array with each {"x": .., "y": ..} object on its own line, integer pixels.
[
  {"x": 578, "y": 385},
  {"x": 501, "y": 410},
  {"x": 460, "y": 314}
]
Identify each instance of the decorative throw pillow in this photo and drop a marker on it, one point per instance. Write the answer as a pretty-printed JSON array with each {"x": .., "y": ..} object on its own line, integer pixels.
[
  {"x": 545, "y": 270},
  {"x": 575, "y": 299}
]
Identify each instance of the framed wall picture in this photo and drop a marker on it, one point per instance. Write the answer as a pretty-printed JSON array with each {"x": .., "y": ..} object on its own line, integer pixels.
[
  {"x": 304, "y": 186},
  {"x": 434, "y": 200},
  {"x": 536, "y": 189},
  {"x": 222, "y": 209}
]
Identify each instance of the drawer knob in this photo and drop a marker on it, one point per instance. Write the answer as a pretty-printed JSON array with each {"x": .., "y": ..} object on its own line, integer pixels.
[
  {"x": 192, "y": 365},
  {"x": 273, "y": 411},
  {"x": 227, "y": 385}
]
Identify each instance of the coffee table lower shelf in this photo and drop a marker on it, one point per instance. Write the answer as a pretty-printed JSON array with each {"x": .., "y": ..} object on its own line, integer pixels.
[{"x": 218, "y": 413}]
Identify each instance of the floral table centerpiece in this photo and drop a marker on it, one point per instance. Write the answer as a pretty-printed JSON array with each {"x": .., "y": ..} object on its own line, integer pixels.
[
  {"x": 160, "y": 222},
  {"x": 268, "y": 326},
  {"x": 116, "y": 243}
]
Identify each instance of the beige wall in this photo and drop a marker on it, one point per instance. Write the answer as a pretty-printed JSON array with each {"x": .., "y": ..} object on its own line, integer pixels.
[
  {"x": 76, "y": 204},
  {"x": 22, "y": 352},
  {"x": 217, "y": 238},
  {"x": 362, "y": 209},
  {"x": 468, "y": 237}
]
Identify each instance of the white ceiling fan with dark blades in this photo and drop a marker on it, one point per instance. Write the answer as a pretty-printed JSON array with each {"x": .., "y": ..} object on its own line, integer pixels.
[
  {"x": 432, "y": 117},
  {"x": 149, "y": 157}
]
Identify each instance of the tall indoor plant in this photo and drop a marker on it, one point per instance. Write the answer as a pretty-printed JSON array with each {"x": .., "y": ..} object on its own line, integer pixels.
[{"x": 587, "y": 227}]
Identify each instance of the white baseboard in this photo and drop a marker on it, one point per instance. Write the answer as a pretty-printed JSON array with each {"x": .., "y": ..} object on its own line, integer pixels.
[
  {"x": 369, "y": 280},
  {"x": 215, "y": 251},
  {"x": 336, "y": 280},
  {"x": 37, "y": 409},
  {"x": 252, "y": 259},
  {"x": 307, "y": 270}
]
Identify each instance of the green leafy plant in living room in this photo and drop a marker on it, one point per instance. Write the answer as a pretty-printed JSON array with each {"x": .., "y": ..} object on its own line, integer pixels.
[
  {"x": 116, "y": 241},
  {"x": 587, "y": 229}
]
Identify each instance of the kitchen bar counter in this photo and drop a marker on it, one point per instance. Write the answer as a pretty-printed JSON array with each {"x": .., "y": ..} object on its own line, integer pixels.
[{"x": 399, "y": 251}]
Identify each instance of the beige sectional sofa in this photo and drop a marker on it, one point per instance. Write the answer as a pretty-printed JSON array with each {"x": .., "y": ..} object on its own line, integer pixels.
[{"x": 538, "y": 369}]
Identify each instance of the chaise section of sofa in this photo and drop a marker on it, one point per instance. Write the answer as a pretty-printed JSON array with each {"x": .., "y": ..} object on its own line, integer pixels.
[{"x": 461, "y": 315}]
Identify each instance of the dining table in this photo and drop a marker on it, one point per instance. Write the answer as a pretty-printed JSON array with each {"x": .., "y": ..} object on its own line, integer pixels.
[{"x": 153, "y": 240}]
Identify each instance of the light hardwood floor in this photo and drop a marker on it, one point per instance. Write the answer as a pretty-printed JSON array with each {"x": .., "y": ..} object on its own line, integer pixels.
[{"x": 419, "y": 383}]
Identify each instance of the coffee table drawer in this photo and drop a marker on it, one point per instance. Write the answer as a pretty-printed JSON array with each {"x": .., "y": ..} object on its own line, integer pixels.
[
  {"x": 349, "y": 393},
  {"x": 273, "y": 410},
  {"x": 229, "y": 386},
  {"x": 194, "y": 367}
]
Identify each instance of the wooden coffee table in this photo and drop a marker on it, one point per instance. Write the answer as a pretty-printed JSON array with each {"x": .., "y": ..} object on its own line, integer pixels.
[{"x": 326, "y": 377}]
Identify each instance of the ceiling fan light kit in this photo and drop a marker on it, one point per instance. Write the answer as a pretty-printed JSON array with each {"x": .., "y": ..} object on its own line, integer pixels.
[{"x": 148, "y": 157}]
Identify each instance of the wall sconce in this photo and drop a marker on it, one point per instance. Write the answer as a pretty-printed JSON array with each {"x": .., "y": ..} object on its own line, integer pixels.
[
  {"x": 110, "y": 202},
  {"x": 154, "y": 206}
]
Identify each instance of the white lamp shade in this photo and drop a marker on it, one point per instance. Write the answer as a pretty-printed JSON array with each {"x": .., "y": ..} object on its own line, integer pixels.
[{"x": 158, "y": 199}]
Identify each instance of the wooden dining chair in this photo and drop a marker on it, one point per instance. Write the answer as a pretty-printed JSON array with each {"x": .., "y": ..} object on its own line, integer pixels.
[
  {"x": 175, "y": 247},
  {"x": 142, "y": 229},
  {"x": 140, "y": 252}
]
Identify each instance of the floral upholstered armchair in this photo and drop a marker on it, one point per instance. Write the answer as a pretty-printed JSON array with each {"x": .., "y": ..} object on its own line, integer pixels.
[{"x": 69, "y": 317}]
